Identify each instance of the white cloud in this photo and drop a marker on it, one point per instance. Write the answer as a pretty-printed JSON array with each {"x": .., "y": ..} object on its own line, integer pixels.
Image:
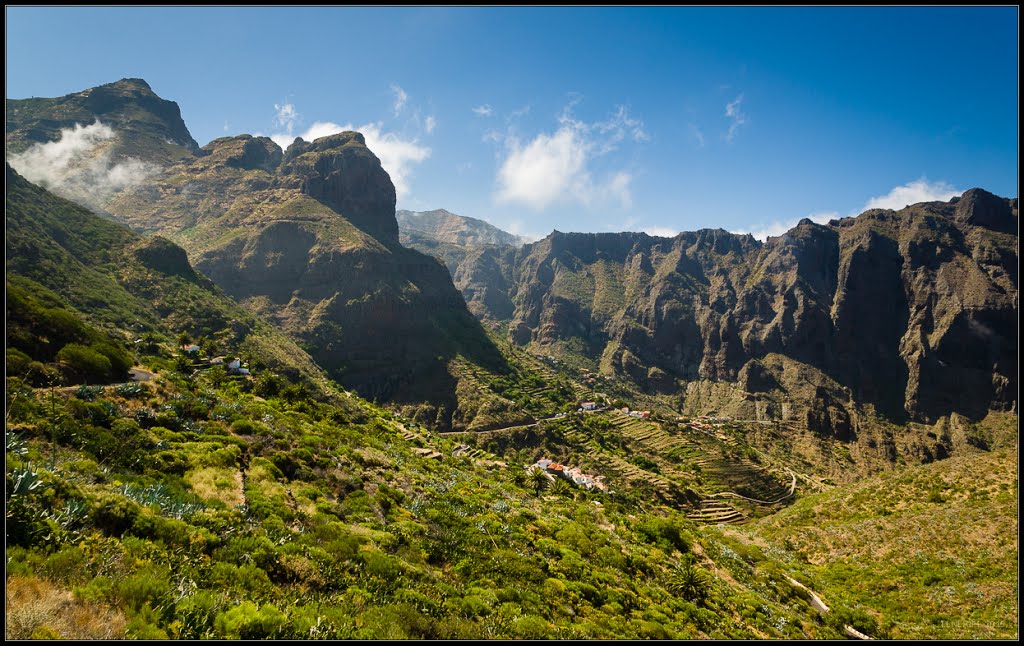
[
  {"x": 400, "y": 98},
  {"x": 430, "y": 124},
  {"x": 911, "y": 193},
  {"x": 732, "y": 110},
  {"x": 397, "y": 155},
  {"x": 697, "y": 134},
  {"x": 630, "y": 224},
  {"x": 484, "y": 110},
  {"x": 661, "y": 232},
  {"x": 556, "y": 167},
  {"x": 621, "y": 123},
  {"x": 516, "y": 228},
  {"x": 763, "y": 231},
  {"x": 286, "y": 116},
  {"x": 78, "y": 165}
]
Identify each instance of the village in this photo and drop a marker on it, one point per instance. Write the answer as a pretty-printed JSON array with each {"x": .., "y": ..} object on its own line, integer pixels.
[{"x": 572, "y": 474}]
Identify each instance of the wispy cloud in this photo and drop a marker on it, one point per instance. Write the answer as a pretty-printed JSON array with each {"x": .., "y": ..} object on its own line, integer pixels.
[
  {"x": 556, "y": 166},
  {"x": 763, "y": 231},
  {"x": 429, "y": 124},
  {"x": 398, "y": 155},
  {"x": 697, "y": 134},
  {"x": 78, "y": 165},
  {"x": 400, "y": 98},
  {"x": 920, "y": 190},
  {"x": 517, "y": 228},
  {"x": 733, "y": 111},
  {"x": 484, "y": 110},
  {"x": 286, "y": 116},
  {"x": 633, "y": 223}
]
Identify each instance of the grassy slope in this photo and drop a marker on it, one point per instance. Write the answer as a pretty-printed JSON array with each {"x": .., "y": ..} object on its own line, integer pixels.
[{"x": 930, "y": 551}]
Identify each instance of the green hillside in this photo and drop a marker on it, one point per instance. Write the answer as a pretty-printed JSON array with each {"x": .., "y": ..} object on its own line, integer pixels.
[{"x": 128, "y": 286}]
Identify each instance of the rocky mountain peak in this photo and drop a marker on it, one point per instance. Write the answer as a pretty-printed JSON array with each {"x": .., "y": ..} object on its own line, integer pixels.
[
  {"x": 341, "y": 172},
  {"x": 245, "y": 152},
  {"x": 980, "y": 208}
]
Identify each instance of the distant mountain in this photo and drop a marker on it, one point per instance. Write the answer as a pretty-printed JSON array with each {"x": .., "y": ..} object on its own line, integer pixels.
[
  {"x": 307, "y": 239},
  {"x": 459, "y": 242},
  {"x": 448, "y": 228},
  {"x": 912, "y": 313},
  {"x": 89, "y": 145}
]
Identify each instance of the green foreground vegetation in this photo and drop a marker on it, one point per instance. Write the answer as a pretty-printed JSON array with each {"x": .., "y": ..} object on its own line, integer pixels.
[{"x": 201, "y": 504}]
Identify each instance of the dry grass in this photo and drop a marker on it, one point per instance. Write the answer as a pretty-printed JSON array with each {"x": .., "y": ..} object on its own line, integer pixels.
[
  {"x": 217, "y": 483},
  {"x": 38, "y": 609}
]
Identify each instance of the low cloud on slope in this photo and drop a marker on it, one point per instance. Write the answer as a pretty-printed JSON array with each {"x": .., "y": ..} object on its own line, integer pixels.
[{"x": 78, "y": 165}]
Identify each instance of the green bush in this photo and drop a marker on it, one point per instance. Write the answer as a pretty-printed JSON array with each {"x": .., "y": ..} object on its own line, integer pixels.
[
  {"x": 115, "y": 515},
  {"x": 83, "y": 363},
  {"x": 247, "y": 621},
  {"x": 17, "y": 362},
  {"x": 149, "y": 586}
]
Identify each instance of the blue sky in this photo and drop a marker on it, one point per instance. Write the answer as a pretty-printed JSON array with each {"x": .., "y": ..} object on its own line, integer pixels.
[{"x": 583, "y": 119}]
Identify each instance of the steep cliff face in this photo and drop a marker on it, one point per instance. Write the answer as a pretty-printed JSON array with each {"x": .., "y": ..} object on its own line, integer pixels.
[
  {"x": 342, "y": 173},
  {"x": 912, "y": 313}
]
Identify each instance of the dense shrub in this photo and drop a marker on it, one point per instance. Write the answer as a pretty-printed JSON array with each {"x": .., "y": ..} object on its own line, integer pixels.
[{"x": 81, "y": 363}]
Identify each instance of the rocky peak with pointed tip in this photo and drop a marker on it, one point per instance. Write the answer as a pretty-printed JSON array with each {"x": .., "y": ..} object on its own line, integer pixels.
[{"x": 341, "y": 172}]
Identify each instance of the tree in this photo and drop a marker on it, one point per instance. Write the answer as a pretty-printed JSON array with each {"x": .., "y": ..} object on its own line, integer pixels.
[
  {"x": 518, "y": 476},
  {"x": 690, "y": 581},
  {"x": 539, "y": 479},
  {"x": 562, "y": 487},
  {"x": 83, "y": 363}
]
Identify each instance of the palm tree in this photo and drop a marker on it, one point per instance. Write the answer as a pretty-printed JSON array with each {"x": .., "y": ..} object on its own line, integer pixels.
[
  {"x": 539, "y": 480},
  {"x": 562, "y": 488},
  {"x": 690, "y": 581}
]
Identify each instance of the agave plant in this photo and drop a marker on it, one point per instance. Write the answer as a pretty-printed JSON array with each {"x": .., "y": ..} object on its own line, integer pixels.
[
  {"x": 26, "y": 479},
  {"x": 15, "y": 444}
]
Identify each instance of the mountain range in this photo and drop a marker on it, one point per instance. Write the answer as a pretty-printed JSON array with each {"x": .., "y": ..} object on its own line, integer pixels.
[{"x": 903, "y": 315}]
